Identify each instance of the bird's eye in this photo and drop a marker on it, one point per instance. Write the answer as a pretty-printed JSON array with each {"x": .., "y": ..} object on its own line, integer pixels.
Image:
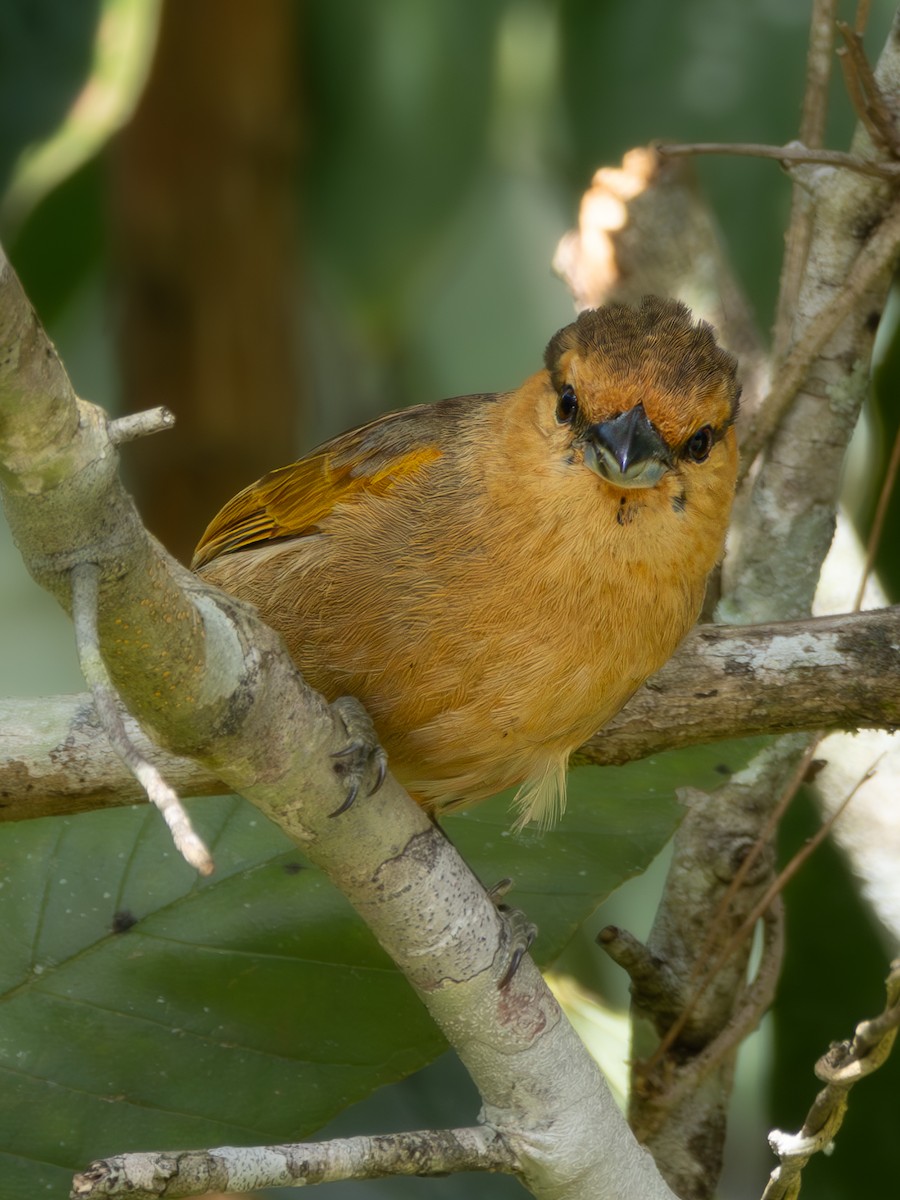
[
  {"x": 699, "y": 446},
  {"x": 567, "y": 405}
]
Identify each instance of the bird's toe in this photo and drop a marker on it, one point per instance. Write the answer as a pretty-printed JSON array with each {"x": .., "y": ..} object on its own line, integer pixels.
[
  {"x": 362, "y": 760},
  {"x": 519, "y": 932}
]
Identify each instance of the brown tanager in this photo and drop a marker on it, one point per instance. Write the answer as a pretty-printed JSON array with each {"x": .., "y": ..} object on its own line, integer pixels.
[{"x": 494, "y": 575}]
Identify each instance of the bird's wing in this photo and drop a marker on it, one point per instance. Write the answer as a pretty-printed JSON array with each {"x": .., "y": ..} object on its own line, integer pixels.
[{"x": 293, "y": 501}]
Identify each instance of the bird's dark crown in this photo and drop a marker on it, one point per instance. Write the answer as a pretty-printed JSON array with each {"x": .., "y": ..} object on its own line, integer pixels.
[{"x": 656, "y": 342}]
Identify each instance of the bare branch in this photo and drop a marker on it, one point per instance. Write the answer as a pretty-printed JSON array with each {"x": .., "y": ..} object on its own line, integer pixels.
[
  {"x": 819, "y": 60},
  {"x": 732, "y": 681},
  {"x": 740, "y": 937},
  {"x": 55, "y": 760},
  {"x": 749, "y": 1009},
  {"x": 862, "y": 87},
  {"x": 829, "y": 673},
  {"x": 683, "y": 1128},
  {"x": 873, "y": 261},
  {"x": 141, "y": 424},
  {"x": 792, "y": 153},
  {"x": 85, "y": 590},
  {"x": 173, "y": 1175}
]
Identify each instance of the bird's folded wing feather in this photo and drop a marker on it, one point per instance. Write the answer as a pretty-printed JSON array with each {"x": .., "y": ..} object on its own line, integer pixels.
[{"x": 292, "y": 501}]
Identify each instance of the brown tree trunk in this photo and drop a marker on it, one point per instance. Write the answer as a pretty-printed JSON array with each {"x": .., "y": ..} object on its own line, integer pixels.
[{"x": 203, "y": 219}]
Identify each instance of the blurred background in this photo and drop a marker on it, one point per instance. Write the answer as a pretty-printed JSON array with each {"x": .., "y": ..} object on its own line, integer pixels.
[{"x": 281, "y": 219}]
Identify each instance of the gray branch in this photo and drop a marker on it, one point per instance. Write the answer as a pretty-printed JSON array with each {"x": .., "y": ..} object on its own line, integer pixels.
[
  {"x": 176, "y": 1174},
  {"x": 829, "y": 673}
]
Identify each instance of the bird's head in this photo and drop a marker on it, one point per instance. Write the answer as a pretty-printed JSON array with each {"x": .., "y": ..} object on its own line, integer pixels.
[{"x": 643, "y": 395}]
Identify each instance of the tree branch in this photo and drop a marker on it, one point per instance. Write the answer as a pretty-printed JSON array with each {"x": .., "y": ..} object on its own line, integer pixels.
[
  {"x": 176, "y": 1174},
  {"x": 84, "y": 579},
  {"x": 735, "y": 681},
  {"x": 793, "y": 153},
  {"x": 829, "y": 673},
  {"x": 819, "y": 62}
]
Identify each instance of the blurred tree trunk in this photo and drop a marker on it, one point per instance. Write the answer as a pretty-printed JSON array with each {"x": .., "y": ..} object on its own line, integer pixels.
[{"x": 203, "y": 220}]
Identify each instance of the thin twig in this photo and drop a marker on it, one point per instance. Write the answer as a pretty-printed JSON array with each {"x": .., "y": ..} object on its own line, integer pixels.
[
  {"x": 762, "y": 841},
  {"x": 839, "y": 1069},
  {"x": 704, "y": 969},
  {"x": 791, "y": 152},
  {"x": 85, "y": 589},
  {"x": 783, "y": 878},
  {"x": 766, "y": 833},
  {"x": 750, "y": 1008},
  {"x": 865, "y": 94},
  {"x": 854, "y": 85},
  {"x": 819, "y": 59},
  {"x": 774, "y": 890},
  {"x": 140, "y": 424}
]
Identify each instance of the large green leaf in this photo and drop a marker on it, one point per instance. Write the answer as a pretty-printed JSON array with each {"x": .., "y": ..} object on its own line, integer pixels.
[
  {"x": 141, "y": 1007},
  {"x": 247, "y": 1008}
]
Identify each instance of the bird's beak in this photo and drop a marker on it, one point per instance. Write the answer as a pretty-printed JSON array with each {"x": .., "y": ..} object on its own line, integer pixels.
[{"x": 627, "y": 451}]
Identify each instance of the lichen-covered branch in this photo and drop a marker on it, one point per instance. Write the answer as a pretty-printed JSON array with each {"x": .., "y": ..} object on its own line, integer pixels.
[
  {"x": 826, "y": 673},
  {"x": 177, "y": 1174},
  {"x": 742, "y": 681}
]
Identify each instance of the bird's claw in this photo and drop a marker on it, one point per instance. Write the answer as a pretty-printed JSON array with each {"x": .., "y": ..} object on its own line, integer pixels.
[
  {"x": 519, "y": 932},
  {"x": 362, "y": 753}
]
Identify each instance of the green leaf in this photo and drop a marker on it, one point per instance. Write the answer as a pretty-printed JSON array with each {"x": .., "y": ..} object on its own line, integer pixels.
[
  {"x": 247, "y": 1008},
  {"x": 253, "y": 1006}
]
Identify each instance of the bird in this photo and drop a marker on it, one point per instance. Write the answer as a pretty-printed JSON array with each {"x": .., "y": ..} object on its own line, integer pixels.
[{"x": 493, "y": 576}]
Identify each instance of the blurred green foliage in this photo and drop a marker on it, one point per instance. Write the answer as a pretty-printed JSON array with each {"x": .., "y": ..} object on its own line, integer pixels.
[
  {"x": 45, "y": 52},
  {"x": 445, "y": 147}
]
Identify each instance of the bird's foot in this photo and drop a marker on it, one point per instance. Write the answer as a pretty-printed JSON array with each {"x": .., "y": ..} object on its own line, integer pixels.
[
  {"x": 519, "y": 932},
  {"x": 361, "y": 757}
]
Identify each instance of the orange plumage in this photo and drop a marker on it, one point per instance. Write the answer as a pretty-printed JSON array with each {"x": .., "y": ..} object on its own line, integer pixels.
[{"x": 493, "y": 576}]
